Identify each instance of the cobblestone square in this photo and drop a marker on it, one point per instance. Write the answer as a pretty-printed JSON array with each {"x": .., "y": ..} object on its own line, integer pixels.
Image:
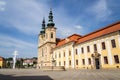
[{"x": 36, "y": 74}]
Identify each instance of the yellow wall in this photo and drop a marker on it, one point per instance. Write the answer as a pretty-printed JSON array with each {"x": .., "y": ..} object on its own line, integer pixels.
[
  {"x": 66, "y": 48},
  {"x": 98, "y": 41},
  {"x": 109, "y": 52},
  {"x": 1, "y": 64}
]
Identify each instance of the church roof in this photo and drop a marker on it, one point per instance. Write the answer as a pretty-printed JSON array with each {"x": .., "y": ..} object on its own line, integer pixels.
[
  {"x": 71, "y": 38},
  {"x": 98, "y": 33}
]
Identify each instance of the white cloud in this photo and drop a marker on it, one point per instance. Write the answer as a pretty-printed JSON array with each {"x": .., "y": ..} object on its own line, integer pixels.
[
  {"x": 78, "y": 27},
  {"x": 100, "y": 10},
  {"x": 65, "y": 23},
  {"x": 2, "y": 5},
  {"x": 64, "y": 32},
  {"x": 25, "y": 16},
  {"x": 67, "y": 31},
  {"x": 28, "y": 14},
  {"x": 9, "y": 44}
]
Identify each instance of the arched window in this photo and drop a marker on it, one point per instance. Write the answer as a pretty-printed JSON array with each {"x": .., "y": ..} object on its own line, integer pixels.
[{"x": 51, "y": 35}]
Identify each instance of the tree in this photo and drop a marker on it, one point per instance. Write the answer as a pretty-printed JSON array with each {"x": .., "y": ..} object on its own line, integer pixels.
[
  {"x": 18, "y": 64},
  {"x": 8, "y": 64},
  {"x": 21, "y": 63}
]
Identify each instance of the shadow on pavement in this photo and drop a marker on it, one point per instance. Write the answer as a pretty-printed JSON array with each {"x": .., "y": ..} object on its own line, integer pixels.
[{"x": 10, "y": 77}]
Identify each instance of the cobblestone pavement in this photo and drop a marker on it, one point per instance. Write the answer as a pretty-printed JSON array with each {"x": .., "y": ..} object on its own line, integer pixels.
[{"x": 36, "y": 74}]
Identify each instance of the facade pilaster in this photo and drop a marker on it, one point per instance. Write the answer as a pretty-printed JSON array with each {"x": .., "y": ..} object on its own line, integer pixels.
[
  {"x": 73, "y": 57},
  {"x": 109, "y": 52}
]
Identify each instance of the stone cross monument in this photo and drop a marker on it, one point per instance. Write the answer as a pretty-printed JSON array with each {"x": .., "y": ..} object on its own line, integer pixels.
[{"x": 14, "y": 58}]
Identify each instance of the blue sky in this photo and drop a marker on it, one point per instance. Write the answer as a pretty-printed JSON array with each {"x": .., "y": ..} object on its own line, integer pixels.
[{"x": 20, "y": 21}]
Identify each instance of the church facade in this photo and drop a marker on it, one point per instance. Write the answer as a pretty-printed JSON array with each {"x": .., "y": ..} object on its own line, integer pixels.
[{"x": 96, "y": 50}]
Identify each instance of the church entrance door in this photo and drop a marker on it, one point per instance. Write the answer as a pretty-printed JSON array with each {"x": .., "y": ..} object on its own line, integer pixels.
[{"x": 97, "y": 63}]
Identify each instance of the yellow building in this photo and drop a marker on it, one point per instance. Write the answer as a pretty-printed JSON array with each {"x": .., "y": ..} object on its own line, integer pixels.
[
  {"x": 98, "y": 49},
  {"x": 2, "y": 62}
]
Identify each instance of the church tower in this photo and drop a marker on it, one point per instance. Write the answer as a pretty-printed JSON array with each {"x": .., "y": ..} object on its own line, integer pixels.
[
  {"x": 50, "y": 29},
  {"x": 46, "y": 42},
  {"x": 42, "y": 34}
]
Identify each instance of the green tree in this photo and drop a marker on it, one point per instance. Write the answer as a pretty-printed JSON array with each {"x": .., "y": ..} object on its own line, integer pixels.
[
  {"x": 8, "y": 64},
  {"x": 21, "y": 63},
  {"x": 18, "y": 64}
]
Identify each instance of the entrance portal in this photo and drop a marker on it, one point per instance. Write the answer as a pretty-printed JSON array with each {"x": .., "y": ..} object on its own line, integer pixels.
[
  {"x": 97, "y": 63},
  {"x": 96, "y": 60}
]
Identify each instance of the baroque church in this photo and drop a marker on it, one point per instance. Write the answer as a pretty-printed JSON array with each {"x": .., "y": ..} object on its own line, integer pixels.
[{"x": 96, "y": 50}]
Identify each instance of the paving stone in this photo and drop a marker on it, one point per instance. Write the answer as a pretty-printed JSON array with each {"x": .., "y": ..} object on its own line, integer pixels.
[{"x": 36, "y": 74}]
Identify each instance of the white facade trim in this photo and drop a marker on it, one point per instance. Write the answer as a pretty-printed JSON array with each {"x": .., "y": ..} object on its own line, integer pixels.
[
  {"x": 62, "y": 63},
  {"x": 67, "y": 58},
  {"x": 119, "y": 40},
  {"x": 109, "y": 52},
  {"x": 99, "y": 51},
  {"x": 86, "y": 57},
  {"x": 57, "y": 58},
  {"x": 79, "y": 57},
  {"x": 73, "y": 58}
]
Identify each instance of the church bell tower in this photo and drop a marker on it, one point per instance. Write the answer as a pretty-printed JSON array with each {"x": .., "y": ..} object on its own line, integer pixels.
[
  {"x": 46, "y": 42},
  {"x": 50, "y": 29}
]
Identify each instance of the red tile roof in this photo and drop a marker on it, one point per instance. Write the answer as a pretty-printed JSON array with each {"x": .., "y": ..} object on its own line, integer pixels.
[
  {"x": 71, "y": 38},
  {"x": 79, "y": 39},
  {"x": 106, "y": 30},
  {"x": 1, "y": 58}
]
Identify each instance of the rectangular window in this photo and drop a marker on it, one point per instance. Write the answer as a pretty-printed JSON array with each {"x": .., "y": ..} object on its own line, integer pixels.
[
  {"x": 64, "y": 54},
  {"x": 69, "y": 53},
  {"x": 113, "y": 43},
  {"x": 55, "y": 55},
  {"x": 89, "y": 61},
  {"x": 64, "y": 63},
  {"x": 59, "y": 63},
  {"x": 105, "y": 60},
  {"x": 76, "y": 62},
  {"x": 116, "y": 59},
  {"x": 88, "y": 49},
  {"x": 82, "y": 50},
  {"x": 70, "y": 62},
  {"x": 76, "y": 51},
  {"x": 83, "y": 61},
  {"x": 59, "y": 55},
  {"x": 95, "y": 47},
  {"x": 103, "y": 45},
  {"x": 51, "y": 35}
]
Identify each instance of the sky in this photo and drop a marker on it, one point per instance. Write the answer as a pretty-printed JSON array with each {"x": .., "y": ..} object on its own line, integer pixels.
[{"x": 20, "y": 21}]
